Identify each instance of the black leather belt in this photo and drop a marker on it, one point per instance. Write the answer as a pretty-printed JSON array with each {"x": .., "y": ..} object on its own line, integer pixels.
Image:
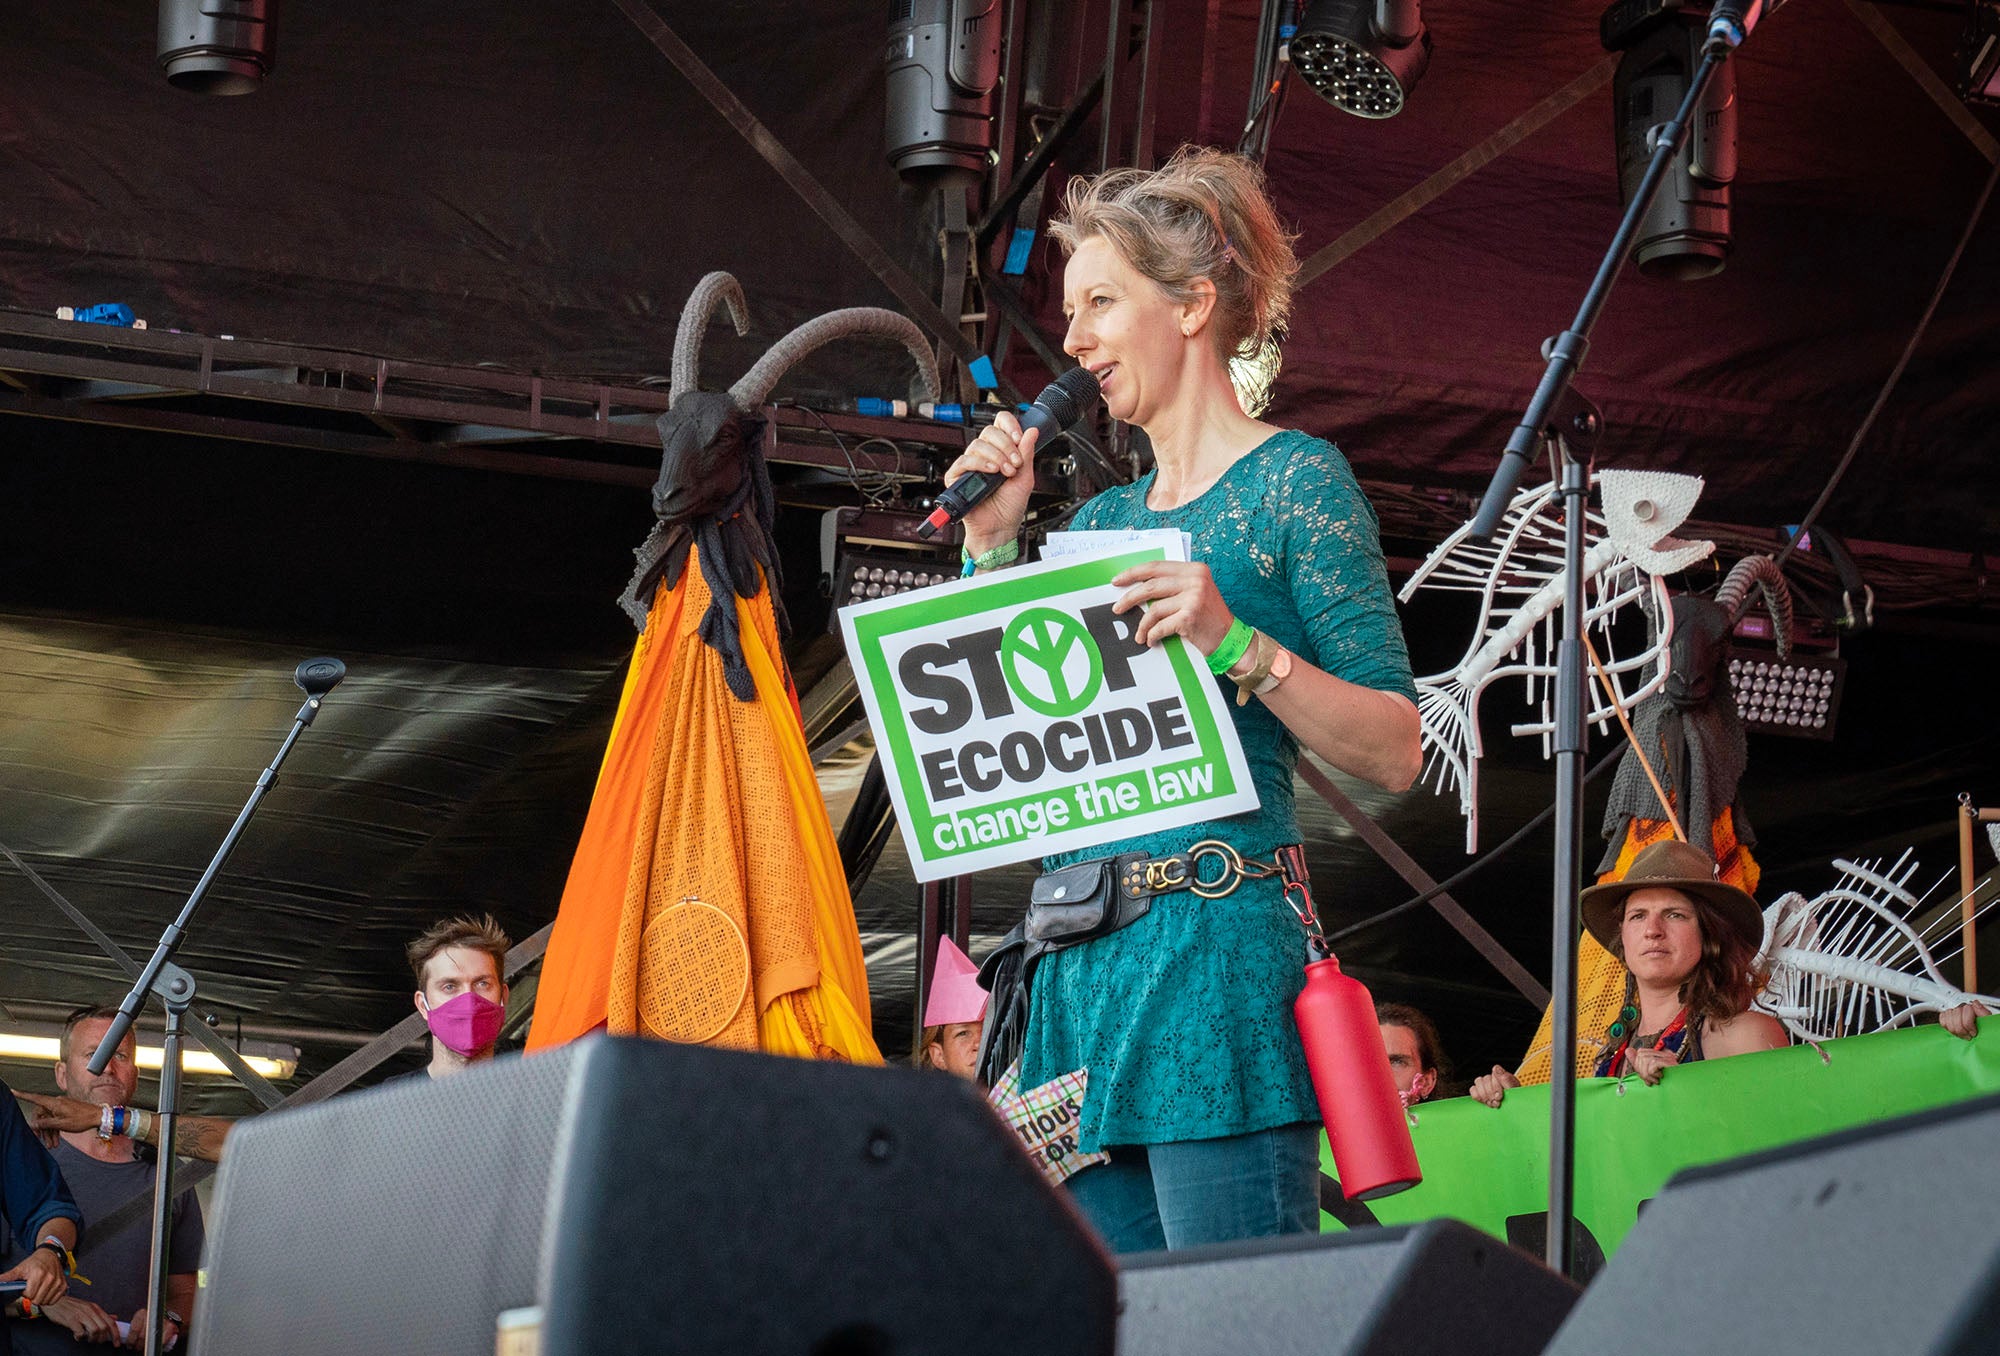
[
  {"x": 1141, "y": 877},
  {"x": 1092, "y": 899}
]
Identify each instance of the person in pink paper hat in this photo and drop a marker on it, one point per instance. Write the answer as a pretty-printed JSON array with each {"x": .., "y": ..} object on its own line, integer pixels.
[{"x": 953, "y": 1016}]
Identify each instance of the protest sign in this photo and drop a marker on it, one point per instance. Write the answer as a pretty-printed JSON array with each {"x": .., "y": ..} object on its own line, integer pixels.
[
  {"x": 1017, "y": 717},
  {"x": 1047, "y": 1120}
]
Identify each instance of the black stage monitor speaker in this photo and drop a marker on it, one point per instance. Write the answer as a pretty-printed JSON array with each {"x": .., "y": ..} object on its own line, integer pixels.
[
  {"x": 1883, "y": 1239},
  {"x": 649, "y": 1198},
  {"x": 1440, "y": 1287}
]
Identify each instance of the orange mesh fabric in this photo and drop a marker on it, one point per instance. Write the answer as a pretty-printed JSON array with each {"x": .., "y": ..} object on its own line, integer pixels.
[
  {"x": 705, "y": 963},
  {"x": 1600, "y": 979},
  {"x": 725, "y": 808},
  {"x": 839, "y": 1002},
  {"x": 712, "y": 787}
]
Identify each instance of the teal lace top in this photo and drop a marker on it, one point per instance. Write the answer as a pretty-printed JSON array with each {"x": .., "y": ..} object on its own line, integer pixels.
[{"x": 1184, "y": 1019}]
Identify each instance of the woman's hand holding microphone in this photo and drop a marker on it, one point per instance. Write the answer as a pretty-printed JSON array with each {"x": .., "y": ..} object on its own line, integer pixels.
[
  {"x": 1180, "y": 596},
  {"x": 1003, "y": 448}
]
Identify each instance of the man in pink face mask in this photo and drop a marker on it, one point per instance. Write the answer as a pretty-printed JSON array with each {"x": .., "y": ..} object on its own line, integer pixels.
[{"x": 460, "y": 991}]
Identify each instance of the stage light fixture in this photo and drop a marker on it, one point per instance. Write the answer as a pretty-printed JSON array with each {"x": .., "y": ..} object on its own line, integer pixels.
[
  {"x": 218, "y": 46},
  {"x": 1979, "y": 56},
  {"x": 1797, "y": 694},
  {"x": 944, "y": 61},
  {"x": 875, "y": 552},
  {"x": 860, "y": 576},
  {"x": 1685, "y": 234},
  {"x": 1362, "y": 56}
]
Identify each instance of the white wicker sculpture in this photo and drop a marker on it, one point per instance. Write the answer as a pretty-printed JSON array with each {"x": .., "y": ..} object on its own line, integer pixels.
[
  {"x": 1519, "y": 577},
  {"x": 1847, "y": 961}
]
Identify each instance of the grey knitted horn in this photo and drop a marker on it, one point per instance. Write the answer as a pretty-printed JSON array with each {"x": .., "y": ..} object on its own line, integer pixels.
[
  {"x": 757, "y": 383},
  {"x": 1763, "y": 573},
  {"x": 700, "y": 309}
]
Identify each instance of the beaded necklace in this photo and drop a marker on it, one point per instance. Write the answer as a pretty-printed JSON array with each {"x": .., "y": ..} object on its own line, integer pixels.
[{"x": 1674, "y": 1028}]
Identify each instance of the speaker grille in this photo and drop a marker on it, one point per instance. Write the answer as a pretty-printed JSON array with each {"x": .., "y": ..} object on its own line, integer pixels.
[
  {"x": 415, "y": 1189},
  {"x": 1879, "y": 1239},
  {"x": 1440, "y": 1288}
]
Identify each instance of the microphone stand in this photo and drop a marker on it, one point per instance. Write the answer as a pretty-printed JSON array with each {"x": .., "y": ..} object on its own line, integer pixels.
[
  {"x": 1562, "y": 424},
  {"x": 175, "y": 989}
]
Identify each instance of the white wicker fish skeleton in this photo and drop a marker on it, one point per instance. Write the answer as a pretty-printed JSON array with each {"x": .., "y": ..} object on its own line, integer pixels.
[
  {"x": 1519, "y": 576},
  {"x": 1848, "y": 960}
]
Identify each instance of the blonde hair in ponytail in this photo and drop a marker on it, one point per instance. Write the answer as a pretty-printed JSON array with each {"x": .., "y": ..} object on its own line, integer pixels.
[{"x": 1203, "y": 214}]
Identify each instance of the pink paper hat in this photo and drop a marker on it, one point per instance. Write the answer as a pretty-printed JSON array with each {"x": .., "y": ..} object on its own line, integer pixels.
[{"x": 955, "y": 993}]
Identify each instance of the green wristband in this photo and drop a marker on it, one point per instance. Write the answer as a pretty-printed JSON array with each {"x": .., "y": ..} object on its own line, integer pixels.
[
  {"x": 1006, "y": 553},
  {"x": 1234, "y": 642}
]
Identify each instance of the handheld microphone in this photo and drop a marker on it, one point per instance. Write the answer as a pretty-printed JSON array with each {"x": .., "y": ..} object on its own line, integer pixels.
[{"x": 1061, "y": 403}]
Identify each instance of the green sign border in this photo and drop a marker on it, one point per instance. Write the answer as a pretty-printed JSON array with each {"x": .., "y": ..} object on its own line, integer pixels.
[{"x": 872, "y": 628}]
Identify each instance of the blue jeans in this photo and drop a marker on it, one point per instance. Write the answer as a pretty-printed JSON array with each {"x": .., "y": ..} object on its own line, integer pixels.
[{"x": 1200, "y": 1191}]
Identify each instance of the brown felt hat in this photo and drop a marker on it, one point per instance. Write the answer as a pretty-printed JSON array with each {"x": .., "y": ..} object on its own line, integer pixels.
[{"x": 1673, "y": 865}]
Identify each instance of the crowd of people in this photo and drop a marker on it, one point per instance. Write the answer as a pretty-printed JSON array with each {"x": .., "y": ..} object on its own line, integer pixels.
[{"x": 81, "y": 1155}]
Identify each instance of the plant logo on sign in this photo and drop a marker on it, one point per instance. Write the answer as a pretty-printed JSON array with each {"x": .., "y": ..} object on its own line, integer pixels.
[{"x": 1050, "y": 662}]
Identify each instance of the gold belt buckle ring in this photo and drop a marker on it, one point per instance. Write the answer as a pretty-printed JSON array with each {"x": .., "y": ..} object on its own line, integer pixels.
[
  {"x": 1236, "y": 868},
  {"x": 1232, "y": 869},
  {"x": 1160, "y": 877}
]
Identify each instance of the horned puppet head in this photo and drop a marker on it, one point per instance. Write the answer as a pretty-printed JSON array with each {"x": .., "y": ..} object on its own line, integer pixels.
[{"x": 714, "y": 490}]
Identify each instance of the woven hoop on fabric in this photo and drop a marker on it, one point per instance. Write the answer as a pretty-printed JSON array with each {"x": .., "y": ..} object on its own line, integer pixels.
[{"x": 695, "y": 970}]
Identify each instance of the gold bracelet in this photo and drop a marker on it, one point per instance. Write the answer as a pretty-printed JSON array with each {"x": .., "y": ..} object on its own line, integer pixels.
[
  {"x": 1264, "y": 650},
  {"x": 1249, "y": 655}
]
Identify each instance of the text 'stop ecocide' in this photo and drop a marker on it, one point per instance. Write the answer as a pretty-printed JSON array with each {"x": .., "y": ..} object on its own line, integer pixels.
[{"x": 1016, "y": 717}]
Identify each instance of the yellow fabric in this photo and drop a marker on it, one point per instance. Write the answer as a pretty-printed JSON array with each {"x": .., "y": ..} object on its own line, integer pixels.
[
  {"x": 1600, "y": 979},
  {"x": 818, "y": 1023},
  {"x": 725, "y": 809}
]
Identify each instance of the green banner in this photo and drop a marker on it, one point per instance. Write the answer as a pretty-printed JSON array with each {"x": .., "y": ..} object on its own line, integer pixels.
[{"x": 1489, "y": 1167}]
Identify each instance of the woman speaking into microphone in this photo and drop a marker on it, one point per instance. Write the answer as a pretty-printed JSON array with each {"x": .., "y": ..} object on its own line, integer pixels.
[{"x": 1182, "y": 1018}]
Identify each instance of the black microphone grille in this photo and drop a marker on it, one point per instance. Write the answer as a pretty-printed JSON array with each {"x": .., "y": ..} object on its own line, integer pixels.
[{"x": 1066, "y": 397}]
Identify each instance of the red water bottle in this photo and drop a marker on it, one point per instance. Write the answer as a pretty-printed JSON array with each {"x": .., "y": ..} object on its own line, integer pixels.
[{"x": 1364, "y": 1117}]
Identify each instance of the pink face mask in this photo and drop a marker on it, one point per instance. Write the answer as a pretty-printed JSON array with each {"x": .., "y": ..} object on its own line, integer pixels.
[{"x": 466, "y": 1024}]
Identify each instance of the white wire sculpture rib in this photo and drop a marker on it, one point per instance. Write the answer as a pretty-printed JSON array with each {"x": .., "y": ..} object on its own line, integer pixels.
[
  {"x": 1849, "y": 961},
  {"x": 1520, "y": 580}
]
